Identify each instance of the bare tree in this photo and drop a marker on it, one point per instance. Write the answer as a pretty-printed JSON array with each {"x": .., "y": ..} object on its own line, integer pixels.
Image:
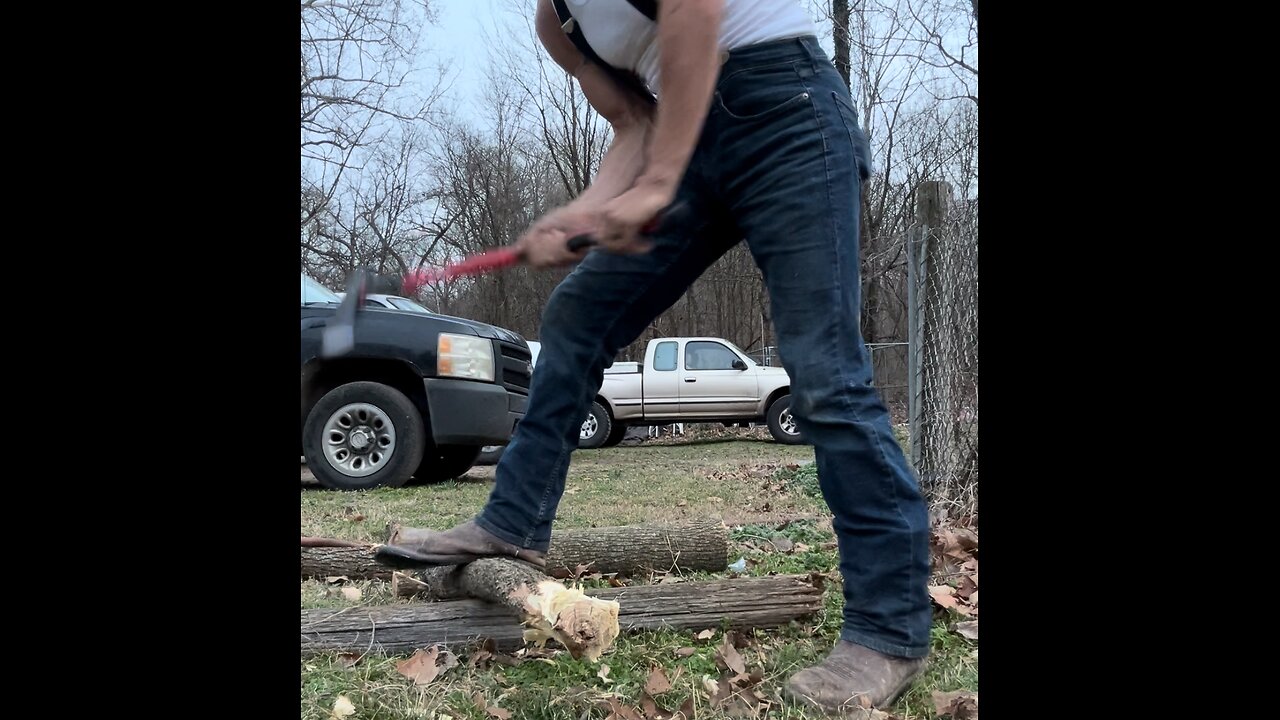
[
  {"x": 381, "y": 218},
  {"x": 356, "y": 60}
]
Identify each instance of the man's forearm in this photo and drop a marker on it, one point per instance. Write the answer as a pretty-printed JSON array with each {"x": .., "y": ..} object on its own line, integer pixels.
[
  {"x": 688, "y": 36},
  {"x": 621, "y": 165}
]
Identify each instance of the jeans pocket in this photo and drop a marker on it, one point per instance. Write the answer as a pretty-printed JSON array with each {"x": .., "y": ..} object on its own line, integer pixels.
[
  {"x": 761, "y": 92},
  {"x": 861, "y": 146}
]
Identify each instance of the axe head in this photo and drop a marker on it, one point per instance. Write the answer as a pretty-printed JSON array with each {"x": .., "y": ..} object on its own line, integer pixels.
[{"x": 339, "y": 337}]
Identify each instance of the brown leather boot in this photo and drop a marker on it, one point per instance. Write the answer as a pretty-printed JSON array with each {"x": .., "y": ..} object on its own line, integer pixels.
[
  {"x": 459, "y": 545},
  {"x": 853, "y": 679}
]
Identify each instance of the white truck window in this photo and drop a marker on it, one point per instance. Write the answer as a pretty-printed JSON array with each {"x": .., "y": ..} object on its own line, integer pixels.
[
  {"x": 664, "y": 357},
  {"x": 702, "y": 355}
]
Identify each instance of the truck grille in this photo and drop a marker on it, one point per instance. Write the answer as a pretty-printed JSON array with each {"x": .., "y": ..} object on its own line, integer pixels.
[{"x": 516, "y": 370}]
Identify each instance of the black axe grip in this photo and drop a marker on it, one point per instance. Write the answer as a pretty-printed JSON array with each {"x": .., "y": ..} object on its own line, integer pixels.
[{"x": 578, "y": 242}]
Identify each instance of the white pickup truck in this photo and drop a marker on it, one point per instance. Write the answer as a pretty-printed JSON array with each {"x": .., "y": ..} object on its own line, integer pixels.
[{"x": 690, "y": 379}]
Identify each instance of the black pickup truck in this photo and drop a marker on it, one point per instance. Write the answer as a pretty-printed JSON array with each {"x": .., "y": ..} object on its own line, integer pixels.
[{"x": 415, "y": 400}]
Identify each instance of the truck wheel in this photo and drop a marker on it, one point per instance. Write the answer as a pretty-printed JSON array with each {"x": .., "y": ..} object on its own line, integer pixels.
[
  {"x": 782, "y": 425},
  {"x": 596, "y": 428},
  {"x": 445, "y": 463},
  {"x": 363, "y": 435},
  {"x": 618, "y": 432}
]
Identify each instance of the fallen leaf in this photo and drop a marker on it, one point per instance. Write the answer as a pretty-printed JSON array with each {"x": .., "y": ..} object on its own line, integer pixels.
[
  {"x": 351, "y": 594},
  {"x": 942, "y": 594},
  {"x": 709, "y": 685},
  {"x": 729, "y": 654},
  {"x": 682, "y": 503},
  {"x": 966, "y": 539},
  {"x": 618, "y": 711},
  {"x": 686, "y": 710},
  {"x": 657, "y": 682},
  {"x": 342, "y": 707},
  {"x": 571, "y": 490},
  {"x": 968, "y": 628},
  {"x": 495, "y": 711},
  {"x": 782, "y": 544},
  {"x": 801, "y": 547},
  {"x": 357, "y": 518},
  {"x": 723, "y": 691},
  {"x": 348, "y": 659},
  {"x": 336, "y": 579},
  {"x": 966, "y": 587},
  {"x": 421, "y": 667},
  {"x": 603, "y": 674},
  {"x": 714, "y": 499},
  {"x": 957, "y": 704},
  {"x": 744, "y": 680},
  {"x": 706, "y": 634},
  {"x": 450, "y": 660},
  {"x": 686, "y": 651}
]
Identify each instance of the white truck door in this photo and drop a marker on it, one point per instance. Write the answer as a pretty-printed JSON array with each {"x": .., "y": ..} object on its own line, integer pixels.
[
  {"x": 662, "y": 379},
  {"x": 710, "y": 385}
]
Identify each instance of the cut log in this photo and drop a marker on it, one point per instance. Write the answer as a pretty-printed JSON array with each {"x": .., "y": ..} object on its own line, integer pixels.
[
  {"x": 627, "y": 550},
  {"x": 741, "y": 603},
  {"x": 585, "y": 625}
]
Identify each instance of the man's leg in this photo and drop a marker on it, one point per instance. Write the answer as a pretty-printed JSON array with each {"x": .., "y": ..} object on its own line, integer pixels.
[
  {"x": 792, "y": 182},
  {"x": 603, "y": 305}
]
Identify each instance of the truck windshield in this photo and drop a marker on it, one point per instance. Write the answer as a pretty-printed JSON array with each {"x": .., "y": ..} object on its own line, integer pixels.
[
  {"x": 314, "y": 292},
  {"x": 407, "y": 304}
]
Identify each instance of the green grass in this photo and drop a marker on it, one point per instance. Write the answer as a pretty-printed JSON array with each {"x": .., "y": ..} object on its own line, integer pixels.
[{"x": 754, "y": 486}]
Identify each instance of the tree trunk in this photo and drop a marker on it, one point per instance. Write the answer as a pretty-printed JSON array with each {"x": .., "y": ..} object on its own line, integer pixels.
[
  {"x": 762, "y": 602},
  {"x": 627, "y": 550},
  {"x": 840, "y": 34}
]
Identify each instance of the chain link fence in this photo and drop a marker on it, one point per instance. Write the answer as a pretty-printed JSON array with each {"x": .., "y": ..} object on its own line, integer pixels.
[{"x": 943, "y": 309}]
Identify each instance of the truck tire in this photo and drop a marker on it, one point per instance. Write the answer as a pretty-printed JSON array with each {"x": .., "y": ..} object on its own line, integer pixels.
[
  {"x": 363, "y": 435},
  {"x": 618, "y": 432},
  {"x": 445, "y": 463},
  {"x": 596, "y": 428},
  {"x": 782, "y": 426}
]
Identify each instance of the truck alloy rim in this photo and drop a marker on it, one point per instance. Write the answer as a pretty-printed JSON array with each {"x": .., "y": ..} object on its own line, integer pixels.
[
  {"x": 787, "y": 422},
  {"x": 359, "y": 439},
  {"x": 589, "y": 427}
]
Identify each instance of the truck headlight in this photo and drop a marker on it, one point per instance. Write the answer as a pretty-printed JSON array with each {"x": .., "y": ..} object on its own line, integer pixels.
[{"x": 464, "y": 356}]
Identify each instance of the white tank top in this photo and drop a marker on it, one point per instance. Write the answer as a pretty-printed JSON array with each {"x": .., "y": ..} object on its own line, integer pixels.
[{"x": 623, "y": 37}]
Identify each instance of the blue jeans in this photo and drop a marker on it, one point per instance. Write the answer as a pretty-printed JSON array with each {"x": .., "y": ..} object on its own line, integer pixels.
[{"x": 780, "y": 163}]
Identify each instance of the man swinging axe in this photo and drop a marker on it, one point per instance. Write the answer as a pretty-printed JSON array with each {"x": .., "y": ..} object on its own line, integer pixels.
[{"x": 731, "y": 109}]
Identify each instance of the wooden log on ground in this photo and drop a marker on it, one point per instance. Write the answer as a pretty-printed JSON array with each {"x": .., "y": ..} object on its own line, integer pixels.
[
  {"x": 762, "y": 602},
  {"x": 628, "y": 550},
  {"x": 585, "y": 625}
]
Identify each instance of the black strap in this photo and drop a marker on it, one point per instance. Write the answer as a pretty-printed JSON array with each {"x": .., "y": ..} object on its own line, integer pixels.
[
  {"x": 573, "y": 29},
  {"x": 648, "y": 7}
]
